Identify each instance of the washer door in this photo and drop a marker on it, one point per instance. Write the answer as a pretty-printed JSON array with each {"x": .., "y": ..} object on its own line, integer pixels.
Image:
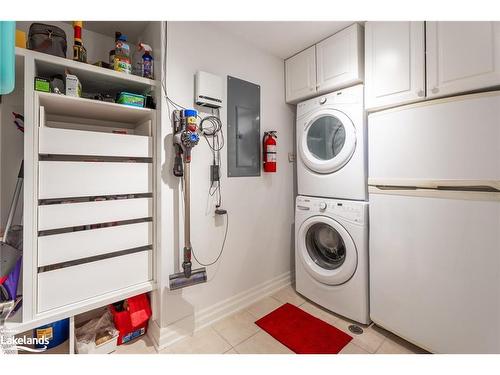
[
  {"x": 328, "y": 141},
  {"x": 327, "y": 250}
]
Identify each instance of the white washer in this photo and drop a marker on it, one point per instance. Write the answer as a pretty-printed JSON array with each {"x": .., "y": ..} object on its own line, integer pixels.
[
  {"x": 331, "y": 132},
  {"x": 331, "y": 255}
]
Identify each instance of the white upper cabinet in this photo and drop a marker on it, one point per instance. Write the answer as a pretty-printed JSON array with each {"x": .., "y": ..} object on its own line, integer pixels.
[
  {"x": 395, "y": 63},
  {"x": 462, "y": 56},
  {"x": 339, "y": 59},
  {"x": 300, "y": 72},
  {"x": 334, "y": 63}
]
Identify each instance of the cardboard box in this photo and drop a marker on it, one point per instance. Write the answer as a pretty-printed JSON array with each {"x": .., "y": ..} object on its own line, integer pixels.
[{"x": 73, "y": 86}]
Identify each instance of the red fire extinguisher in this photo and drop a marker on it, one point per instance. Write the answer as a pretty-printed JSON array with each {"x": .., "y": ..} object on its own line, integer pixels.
[{"x": 270, "y": 149}]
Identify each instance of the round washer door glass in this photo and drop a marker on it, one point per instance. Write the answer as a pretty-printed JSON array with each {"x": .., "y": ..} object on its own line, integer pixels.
[
  {"x": 328, "y": 141},
  {"x": 325, "y": 246},
  {"x": 326, "y": 137},
  {"x": 326, "y": 250}
]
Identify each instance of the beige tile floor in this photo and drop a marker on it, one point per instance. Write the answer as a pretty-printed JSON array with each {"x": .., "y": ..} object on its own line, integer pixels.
[{"x": 237, "y": 334}]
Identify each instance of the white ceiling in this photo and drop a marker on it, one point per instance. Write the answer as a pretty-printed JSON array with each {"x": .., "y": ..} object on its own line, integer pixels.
[
  {"x": 133, "y": 29},
  {"x": 282, "y": 38}
]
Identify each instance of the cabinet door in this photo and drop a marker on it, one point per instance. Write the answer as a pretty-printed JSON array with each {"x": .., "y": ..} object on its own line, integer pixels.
[
  {"x": 300, "y": 71},
  {"x": 395, "y": 63},
  {"x": 462, "y": 56},
  {"x": 339, "y": 59}
]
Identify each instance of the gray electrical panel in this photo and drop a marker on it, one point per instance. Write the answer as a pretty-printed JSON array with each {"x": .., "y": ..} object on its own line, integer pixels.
[{"x": 243, "y": 128}]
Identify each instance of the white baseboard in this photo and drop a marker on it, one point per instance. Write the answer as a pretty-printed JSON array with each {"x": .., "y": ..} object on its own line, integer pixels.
[{"x": 162, "y": 337}]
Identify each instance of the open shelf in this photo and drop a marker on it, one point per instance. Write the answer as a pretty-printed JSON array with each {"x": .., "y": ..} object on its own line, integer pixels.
[
  {"x": 16, "y": 326},
  {"x": 68, "y": 106},
  {"x": 93, "y": 78}
]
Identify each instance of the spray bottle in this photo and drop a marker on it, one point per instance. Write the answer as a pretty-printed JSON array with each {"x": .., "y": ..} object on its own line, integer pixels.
[{"x": 147, "y": 61}]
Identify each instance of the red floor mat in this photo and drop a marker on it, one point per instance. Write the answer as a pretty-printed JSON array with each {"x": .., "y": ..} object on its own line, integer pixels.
[{"x": 302, "y": 332}]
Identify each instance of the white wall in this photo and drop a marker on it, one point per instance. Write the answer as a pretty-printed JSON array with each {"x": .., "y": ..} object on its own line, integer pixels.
[
  {"x": 261, "y": 209},
  {"x": 97, "y": 45},
  {"x": 11, "y": 146}
]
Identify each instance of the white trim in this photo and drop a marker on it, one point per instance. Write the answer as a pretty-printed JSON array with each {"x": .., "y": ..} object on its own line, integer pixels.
[
  {"x": 442, "y": 194},
  {"x": 162, "y": 337},
  {"x": 336, "y": 276},
  {"x": 433, "y": 101},
  {"x": 431, "y": 184},
  {"x": 342, "y": 158}
]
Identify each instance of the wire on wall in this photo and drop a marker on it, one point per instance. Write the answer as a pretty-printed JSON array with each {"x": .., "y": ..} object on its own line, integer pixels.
[{"x": 211, "y": 130}]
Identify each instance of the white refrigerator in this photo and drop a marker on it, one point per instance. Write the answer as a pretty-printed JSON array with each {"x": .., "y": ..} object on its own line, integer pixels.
[{"x": 434, "y": 192}]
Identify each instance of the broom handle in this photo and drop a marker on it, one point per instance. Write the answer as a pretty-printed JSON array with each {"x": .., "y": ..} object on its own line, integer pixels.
[
  {"x": 13, "y": 205},
  {"x": 187, "y": 206}
]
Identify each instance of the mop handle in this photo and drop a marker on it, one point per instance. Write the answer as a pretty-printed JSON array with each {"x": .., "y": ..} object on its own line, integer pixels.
[
  {"x": 187, "y": 206},
  {"x": 13, "y": 205}
]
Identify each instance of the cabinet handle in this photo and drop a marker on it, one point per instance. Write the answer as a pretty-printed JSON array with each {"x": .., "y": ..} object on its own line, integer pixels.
[
  {"x": 435, "y": 90},
  {"x": 420, "y": 93}
]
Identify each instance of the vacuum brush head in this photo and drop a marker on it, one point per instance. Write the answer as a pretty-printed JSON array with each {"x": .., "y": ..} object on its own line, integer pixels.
[{"x": 178, "y": 280}]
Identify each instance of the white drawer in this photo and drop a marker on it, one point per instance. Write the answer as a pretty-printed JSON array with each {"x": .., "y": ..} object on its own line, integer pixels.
[
  {"x": 69, "y": 285},
  {"x": 64, "y": 247},
  {"x": 54, "y": 216},
  {"x": 76, "y": 142},
  {"x": 63, "y": 179}
]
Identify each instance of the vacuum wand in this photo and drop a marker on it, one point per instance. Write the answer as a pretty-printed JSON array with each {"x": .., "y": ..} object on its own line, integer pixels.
[
  {"x": 186, "y": 265},
  {"x": 185, "y": 138}
]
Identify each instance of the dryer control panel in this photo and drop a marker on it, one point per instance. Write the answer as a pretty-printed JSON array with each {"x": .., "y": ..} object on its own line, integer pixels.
[
  {"x": 348, "y": 210},
  {"x": 347, "y": 96}
]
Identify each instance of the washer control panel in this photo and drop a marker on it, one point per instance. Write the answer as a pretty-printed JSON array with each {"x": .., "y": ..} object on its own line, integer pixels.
[{"x": 349, "y": 210}]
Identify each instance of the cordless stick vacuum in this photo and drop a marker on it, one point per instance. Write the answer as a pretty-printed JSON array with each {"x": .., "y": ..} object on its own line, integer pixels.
[{"x": 185, "y": 138}]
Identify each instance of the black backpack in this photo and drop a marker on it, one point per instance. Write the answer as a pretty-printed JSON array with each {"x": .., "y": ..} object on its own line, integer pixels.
[{"x": 47, "y": 39}]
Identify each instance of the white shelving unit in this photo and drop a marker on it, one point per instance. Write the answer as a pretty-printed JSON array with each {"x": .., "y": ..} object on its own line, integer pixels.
[{"x": 90, "y": 193}]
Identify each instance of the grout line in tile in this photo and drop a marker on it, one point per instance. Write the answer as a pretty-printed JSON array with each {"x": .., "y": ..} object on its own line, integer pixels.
[
  {"x": 248, "y": 338},
  {"x": 218, "y": 334},
  {"x": 378, "y": 348},
  {"x": 281, "y": 303}
]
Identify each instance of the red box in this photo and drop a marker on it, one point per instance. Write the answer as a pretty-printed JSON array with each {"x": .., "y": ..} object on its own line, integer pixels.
[{"x": 133, "y": 322}]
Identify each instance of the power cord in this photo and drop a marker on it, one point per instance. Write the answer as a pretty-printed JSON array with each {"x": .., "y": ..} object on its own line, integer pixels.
[
  {"x": 211, "y": 127},
  {"x": 223, "y": 241},
  {"x": 221, "y": 249}
]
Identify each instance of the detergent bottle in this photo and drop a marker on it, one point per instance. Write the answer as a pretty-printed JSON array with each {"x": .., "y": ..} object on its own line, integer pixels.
[
  {"x": 147, "y": 61},
  {"x": 122, "y": 54}
]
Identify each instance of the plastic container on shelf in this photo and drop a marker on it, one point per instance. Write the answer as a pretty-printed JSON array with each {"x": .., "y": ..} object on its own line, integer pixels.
[
  {"x": 121, "y": 61},
  {"x": 131, "y": 317},
  {"x": 56, "y": 333},
  {"x": 147, "y": 61},
  {"x": 97, "y": 336}
]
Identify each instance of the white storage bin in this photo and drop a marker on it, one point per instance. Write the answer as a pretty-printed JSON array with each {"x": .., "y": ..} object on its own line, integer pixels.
[{"x": 73, "y": 284}]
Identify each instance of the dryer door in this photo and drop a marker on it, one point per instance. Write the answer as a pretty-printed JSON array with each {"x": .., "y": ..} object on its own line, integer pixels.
[
  {"x": 327, "y": 250},
  {"x": 327, "y": 141}
]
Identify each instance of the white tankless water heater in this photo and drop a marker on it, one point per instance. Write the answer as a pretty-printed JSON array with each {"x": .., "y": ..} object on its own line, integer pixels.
[{"x": 208, "y": 89}]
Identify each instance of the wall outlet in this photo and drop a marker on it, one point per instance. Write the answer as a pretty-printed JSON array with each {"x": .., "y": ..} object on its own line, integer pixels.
[{"x": 291, "y": 157}]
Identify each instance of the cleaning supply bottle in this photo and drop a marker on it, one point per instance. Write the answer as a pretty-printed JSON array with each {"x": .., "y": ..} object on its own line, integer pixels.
[
  {"x": 137, "y": 60},
  {"x": 122, "y": 54},
  {"x": 147, "y": 61}
]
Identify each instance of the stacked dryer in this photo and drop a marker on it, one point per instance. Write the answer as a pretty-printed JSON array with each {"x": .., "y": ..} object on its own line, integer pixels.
[{"x": 331, "y": 220}]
